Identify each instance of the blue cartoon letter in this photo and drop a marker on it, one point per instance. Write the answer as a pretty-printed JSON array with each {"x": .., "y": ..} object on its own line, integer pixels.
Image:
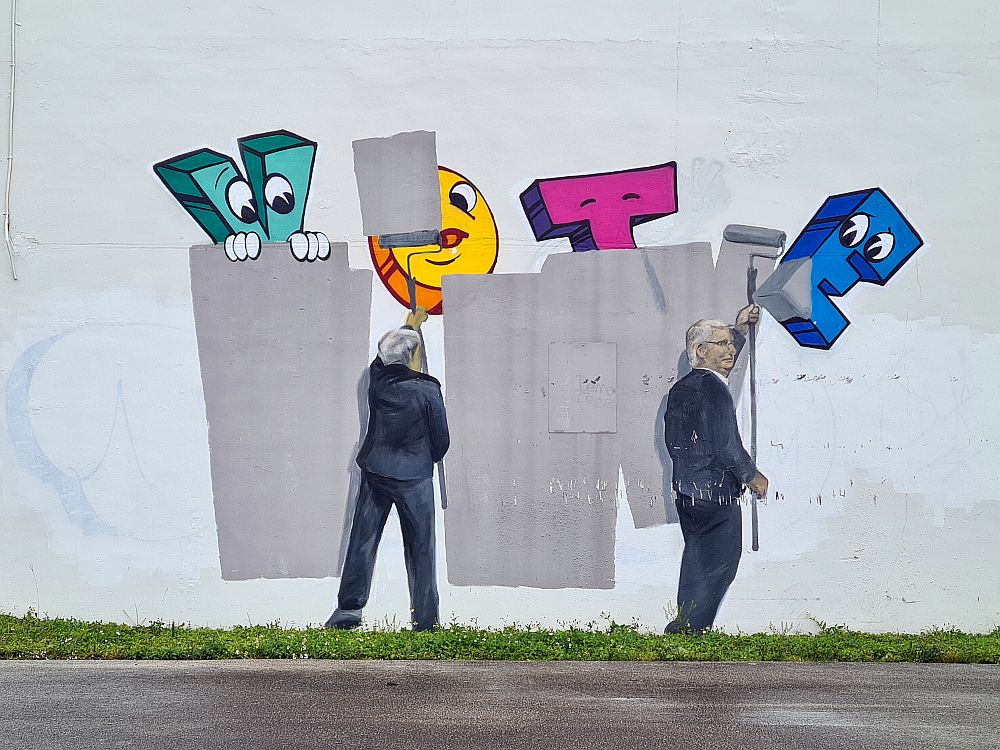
[{"x": 853, "y": 237}]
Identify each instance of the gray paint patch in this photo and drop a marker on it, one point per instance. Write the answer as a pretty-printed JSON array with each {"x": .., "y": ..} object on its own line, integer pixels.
[
  {"x": 398, "y": 183},
  {"x": 530, "y": 507},
  {"x": 282, "y": 345}
]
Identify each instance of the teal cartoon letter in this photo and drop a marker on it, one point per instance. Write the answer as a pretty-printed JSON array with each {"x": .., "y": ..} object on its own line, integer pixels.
[{"x": 268, "y": 205}]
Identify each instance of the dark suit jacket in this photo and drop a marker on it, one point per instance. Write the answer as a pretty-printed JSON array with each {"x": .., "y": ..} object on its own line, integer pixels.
[
  {"x": 703, "y": 439},
  {"x": 407, "y": 426}
]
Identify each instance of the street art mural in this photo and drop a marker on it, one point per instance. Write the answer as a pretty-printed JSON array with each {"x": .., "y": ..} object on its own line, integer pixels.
[
  {"x": 599, "y": 211},
  {"x": 266, "y": 205},
  {"x": 185, "y": 355},
  {"x": 854, "y": 237},
  {"x": 608, "y": 379},
  {"x": 599, "y": 407},
  {"x": 469, "y": 243}
]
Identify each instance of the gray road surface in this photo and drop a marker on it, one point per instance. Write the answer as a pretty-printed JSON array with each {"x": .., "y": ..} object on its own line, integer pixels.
[{"x": 258, "y": 705}]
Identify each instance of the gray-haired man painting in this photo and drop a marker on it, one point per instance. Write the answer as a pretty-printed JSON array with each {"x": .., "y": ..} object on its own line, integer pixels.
[
  {"x": 711, "y": 468},
  {"x": 407, "y": 435}
]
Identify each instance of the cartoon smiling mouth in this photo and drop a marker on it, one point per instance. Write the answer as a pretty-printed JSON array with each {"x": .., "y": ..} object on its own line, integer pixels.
[{"x": 452, "y": 237}]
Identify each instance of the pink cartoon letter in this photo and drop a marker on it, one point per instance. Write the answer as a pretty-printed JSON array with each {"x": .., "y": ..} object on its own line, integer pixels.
[{"x": 598, "y": 211}]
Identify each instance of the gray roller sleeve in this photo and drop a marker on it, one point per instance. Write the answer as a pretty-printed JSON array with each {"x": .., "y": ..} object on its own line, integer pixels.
[
  {"x": 748, "y": 235},
  {"x": 410, "y": 239}
]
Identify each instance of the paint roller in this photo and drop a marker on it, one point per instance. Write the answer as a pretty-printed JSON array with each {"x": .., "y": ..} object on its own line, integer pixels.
[
  {"x": 769, "y": 244},
  {"x": 400, "y": 195}
]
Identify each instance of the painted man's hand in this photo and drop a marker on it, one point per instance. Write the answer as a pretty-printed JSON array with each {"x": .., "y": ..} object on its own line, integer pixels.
[
  {"x": 758, "y": 485},
  {"x": 416, "y": 318},
  {"x": 748, "y": 316}
]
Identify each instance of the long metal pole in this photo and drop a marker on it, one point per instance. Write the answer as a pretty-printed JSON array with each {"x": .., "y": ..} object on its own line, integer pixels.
[{"x": 751, "y": 289}]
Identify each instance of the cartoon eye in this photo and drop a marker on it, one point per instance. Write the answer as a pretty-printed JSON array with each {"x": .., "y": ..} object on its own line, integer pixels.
[
  {"x": 278, "y": 194},
  {"x": 854, "y": 230},
  {"x": 241, "y": 201},
  {"x": 463, "y": 196},
  {"x": 879, "y": 246}
]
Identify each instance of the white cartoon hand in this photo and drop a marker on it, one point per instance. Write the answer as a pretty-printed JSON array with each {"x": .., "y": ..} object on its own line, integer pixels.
[
  {"x": 243, "y": 246},
  {"x": 309, "y": 246}
]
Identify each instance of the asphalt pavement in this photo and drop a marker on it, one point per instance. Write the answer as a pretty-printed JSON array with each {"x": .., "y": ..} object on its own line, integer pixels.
[{"x": 258, "y": 705}]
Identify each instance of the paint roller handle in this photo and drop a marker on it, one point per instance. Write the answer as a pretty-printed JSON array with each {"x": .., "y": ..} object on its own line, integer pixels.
[{"x": 752, "y": 330}]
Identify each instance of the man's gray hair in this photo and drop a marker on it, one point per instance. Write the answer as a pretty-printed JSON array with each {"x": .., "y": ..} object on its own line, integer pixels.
[
  {"x": 397, "y": 346},
  {"x": 699, "y": 333}
]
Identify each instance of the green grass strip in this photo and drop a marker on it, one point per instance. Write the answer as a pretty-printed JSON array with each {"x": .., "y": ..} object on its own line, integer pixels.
[{"x": 33, "y": 637}]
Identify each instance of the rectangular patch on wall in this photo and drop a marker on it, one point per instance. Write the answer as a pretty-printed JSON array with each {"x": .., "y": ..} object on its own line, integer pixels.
[{"x": 583, "y": 387}]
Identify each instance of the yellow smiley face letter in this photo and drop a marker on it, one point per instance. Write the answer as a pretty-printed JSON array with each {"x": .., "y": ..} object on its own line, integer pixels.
[{"x": 469, "y": 244}]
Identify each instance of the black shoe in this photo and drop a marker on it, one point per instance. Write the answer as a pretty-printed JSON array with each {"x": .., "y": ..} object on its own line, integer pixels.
[
  {"x": 344, "y": 619},
  {"x": 673, "y": 628}
]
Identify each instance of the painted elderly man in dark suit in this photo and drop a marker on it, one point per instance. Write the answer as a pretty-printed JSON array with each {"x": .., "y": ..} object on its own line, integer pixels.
[
  {"x": 711, "y": 469},
  {"x": 407, "y": 435}
]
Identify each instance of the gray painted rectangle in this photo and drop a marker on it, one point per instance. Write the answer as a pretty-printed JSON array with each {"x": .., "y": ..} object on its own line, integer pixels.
[
  {"x": 398, "y": 183},
  {"x": 283, "y": 346},
  {"x": 583, "y": 387}
]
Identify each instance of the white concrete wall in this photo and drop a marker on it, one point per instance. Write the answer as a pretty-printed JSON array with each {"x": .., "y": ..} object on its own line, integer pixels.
[{"x": 895, "y": 428}]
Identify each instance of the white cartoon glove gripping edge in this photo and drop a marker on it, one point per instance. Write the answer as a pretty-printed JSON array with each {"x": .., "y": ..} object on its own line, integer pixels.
[{"x": 306, "y": 247}]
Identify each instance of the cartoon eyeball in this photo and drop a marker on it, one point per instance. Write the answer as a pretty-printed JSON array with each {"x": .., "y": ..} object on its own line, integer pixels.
[
  {"x": 278, "y": 194},
  {"x": 463, "y": 197},
  {"x": 854, "y": 230},
  {"x": 879, "y": 246},
  {"x": 239, "y": 196}
]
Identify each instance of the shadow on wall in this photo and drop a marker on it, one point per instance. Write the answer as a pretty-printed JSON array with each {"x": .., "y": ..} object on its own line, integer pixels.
[{"x": 353, "y": 469}]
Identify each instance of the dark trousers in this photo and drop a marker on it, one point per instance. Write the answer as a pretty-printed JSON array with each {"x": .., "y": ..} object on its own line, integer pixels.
[
  {"x": 713, "y": 543},
  {"x": 414, "y": 501}
]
